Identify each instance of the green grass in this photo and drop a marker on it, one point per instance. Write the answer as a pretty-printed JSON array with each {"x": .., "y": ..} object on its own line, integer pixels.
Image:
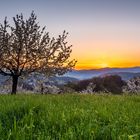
[{"x": 69, "y": 117}]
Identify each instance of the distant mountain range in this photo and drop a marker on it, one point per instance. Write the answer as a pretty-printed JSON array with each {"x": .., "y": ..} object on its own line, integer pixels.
[
  {"x": 75, "y": 75},
  {"x": 125, "y": 73},
  {"x": 57, "y": 80}
]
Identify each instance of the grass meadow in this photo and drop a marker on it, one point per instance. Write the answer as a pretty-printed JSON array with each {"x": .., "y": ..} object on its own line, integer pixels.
[{"x": 69, "y": 117}]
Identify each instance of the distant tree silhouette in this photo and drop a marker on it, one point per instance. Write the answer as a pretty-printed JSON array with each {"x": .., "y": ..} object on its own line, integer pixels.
[
  {"x": 25, "y": 47},
  {"x": 111, "y": 83},
  {"x": 114, "y": 84}
]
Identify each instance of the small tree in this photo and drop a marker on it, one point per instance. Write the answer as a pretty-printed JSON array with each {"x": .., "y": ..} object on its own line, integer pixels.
[{"x": 25, "y": 47}]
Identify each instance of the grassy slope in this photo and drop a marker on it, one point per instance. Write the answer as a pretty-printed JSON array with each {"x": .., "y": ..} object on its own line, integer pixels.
[{"x": 71, "y": 117}]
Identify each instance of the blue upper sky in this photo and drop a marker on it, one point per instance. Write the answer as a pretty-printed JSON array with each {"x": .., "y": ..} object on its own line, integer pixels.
[{"x": 74, "y": 14}]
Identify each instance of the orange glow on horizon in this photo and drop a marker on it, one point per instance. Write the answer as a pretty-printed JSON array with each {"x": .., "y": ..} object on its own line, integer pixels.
[
  {"x": 88, "y": 68},
  {"x": 101, "y": 54},
  {"x": 105, "y": 65},
  {"x": 111, "y": 63}
]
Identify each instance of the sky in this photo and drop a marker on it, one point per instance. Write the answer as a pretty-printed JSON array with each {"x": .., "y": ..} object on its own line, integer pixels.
[{"x": 104, "y": 33}]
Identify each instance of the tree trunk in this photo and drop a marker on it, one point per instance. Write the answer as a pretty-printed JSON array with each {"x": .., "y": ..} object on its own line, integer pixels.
[{"x": 14, "y": 84}]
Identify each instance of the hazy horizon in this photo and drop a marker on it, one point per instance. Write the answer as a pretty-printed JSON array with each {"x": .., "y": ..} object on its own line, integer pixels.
[
  {"x": 103, "y": 33},
  {"x": 106, "y": 68}
]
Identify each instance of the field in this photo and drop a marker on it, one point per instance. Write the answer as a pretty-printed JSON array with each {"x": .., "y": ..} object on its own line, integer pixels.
[{"x": 69, "y": 117}]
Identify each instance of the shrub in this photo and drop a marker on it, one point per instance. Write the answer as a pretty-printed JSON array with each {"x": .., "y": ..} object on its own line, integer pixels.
[{"x": 112, "y": 83}]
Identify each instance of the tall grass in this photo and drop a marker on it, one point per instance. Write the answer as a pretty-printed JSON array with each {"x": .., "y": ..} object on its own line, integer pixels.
[{"x": 69, "y": 117}]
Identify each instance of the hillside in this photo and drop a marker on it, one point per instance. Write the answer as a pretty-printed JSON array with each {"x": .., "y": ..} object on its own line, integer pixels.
[{"x": 125, "y": 73}]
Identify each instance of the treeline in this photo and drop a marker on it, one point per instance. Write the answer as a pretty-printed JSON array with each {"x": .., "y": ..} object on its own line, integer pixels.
[{"x": 109, "y": 84}]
